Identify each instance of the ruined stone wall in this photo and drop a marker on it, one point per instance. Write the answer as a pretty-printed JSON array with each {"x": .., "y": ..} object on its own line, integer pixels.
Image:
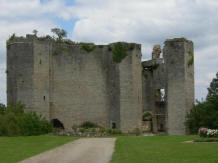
[
  {"x": 153, "y": 81},
  {"x": 73, "y": 85},
  {"x": 80, "y": 90},
  {"x": 66, "y": 82},
  {"x": 95, "y": 88}
]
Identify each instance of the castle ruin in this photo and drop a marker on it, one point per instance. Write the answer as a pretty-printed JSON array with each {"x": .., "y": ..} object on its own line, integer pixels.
[{"x": 105, "y": 84}]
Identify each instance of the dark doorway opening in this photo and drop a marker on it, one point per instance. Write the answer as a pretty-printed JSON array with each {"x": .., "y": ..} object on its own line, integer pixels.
[
  {"x": 113, "y": 125},
  {"x": 57, "y": 124}
]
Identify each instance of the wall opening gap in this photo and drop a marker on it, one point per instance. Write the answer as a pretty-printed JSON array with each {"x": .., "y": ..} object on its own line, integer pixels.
[
  {"x": 57, "y": 124},
  {"x": 114, "y": 125}
]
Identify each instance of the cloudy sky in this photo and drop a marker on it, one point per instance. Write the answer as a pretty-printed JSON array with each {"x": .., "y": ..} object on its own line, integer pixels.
[{"x": 147, "y": 22}]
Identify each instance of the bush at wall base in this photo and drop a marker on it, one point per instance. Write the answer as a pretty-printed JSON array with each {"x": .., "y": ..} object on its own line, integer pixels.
[{"x": 14, "y": 122}]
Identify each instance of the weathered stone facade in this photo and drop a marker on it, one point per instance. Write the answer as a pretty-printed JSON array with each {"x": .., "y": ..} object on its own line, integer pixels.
[
  {"x": 168, "y": 86},
  {"x": 65, "y": 82}
]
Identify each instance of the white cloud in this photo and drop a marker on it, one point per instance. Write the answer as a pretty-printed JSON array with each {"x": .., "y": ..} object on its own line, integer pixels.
[
  {"x": 20, "y": 17},
  {"x": 151, "y": 22},
  {"x": 103, "y": 21}
]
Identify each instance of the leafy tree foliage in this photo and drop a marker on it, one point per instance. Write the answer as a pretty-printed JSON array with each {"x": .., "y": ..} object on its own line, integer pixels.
[
  {"x": 14, "y": 122},
  {"x": 2, "y": 109},
  {"x": 35, "y": 32},
  {"x": 61, "y": 33},
  {"x": 204, "y": 114},
  {"x": 213, "y": 89}
]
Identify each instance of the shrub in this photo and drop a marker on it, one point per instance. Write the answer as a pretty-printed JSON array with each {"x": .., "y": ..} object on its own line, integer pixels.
[
  {"x": 205, "y": 113},
  {"x": 136, "y": 132},
  {"x": 205, "y": 132},
  {"x": 15, "y": 122},
  {"x": 88, "y": 47},
  {"x": 12, "y": 37},
  {"x": 2, "y": 109},
  {"x": 102, "y": 130},
  {"x": 88, "y": 124},
  {"x": 68, "y": 41},
  {"x": 9, "y": 125},
  {"x": 202, "y": 132},
  {"x": 82, "y": 130},
  {"x": 115, "y": 132},
  {"x": 146, "y": 116},
  {"x": 132, "y": 46},
  {"x": 33, "y": 124}
]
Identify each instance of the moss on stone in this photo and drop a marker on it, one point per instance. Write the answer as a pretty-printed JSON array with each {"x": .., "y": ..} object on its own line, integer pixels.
[
  {"x": 109, "y": 48},
  {"x": 145, "y": 75},
  {"x": 88, "y": 47},
  {"x": 191, "y": 60},
  {"x": 56, "y": 51},
  {"x": 154, "y": 66},
  {"x": 119, "y": 52},
  {"x": 43, "y": 38},
  {"x": 182, "y": 39},
  {"x": 132, "y": 46}
]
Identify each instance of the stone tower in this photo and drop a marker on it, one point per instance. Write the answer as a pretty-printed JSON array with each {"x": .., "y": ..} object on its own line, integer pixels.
[
  {"x": 179, "y": 65},
  {"x": 168, "y": 86}
]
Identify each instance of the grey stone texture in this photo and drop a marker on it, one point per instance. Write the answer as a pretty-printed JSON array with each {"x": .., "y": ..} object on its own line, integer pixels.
[
  {"x": 168, "y": 86},
  {"x": 156, "y": 52},
  {"x": 65, "y": 82}
]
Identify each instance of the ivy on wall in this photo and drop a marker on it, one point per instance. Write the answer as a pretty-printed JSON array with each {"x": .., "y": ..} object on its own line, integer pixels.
[
  {"x": 191, "y": 60},
  {"x": 132, "y": 46},
  {"x": 119, "y": 52},
  {"x": 88, "y": 47}
]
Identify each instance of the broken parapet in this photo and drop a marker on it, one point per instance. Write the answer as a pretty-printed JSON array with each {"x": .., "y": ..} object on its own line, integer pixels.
[{"x": 173, "y": 74}]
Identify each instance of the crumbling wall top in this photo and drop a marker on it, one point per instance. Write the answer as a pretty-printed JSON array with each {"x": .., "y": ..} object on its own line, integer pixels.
[
  {"x": 156, "y": 51},
  {"x": 182, "y": 39}
]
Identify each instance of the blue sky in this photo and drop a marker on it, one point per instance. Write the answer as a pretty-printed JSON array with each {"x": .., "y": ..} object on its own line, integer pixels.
[{"x": 104, "y": 21}]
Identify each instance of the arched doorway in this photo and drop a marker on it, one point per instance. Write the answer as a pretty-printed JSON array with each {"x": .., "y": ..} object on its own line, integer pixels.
[
  {"x": 147, "y": 122},
  {"x": 57, "y": 124}
]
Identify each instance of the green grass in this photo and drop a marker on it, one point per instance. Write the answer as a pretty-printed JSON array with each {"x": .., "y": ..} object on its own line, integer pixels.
[
  {"x": 13, "y": 149},
  {"x": 163, "y": 149}
]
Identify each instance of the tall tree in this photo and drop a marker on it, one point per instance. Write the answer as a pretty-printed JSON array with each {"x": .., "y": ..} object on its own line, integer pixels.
[
  {"x": 204, "y": 114},
  {"x": 35, "y": 32},
  {"x": 213, "y": 89},
  {"x": 61, "y": 33}
]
